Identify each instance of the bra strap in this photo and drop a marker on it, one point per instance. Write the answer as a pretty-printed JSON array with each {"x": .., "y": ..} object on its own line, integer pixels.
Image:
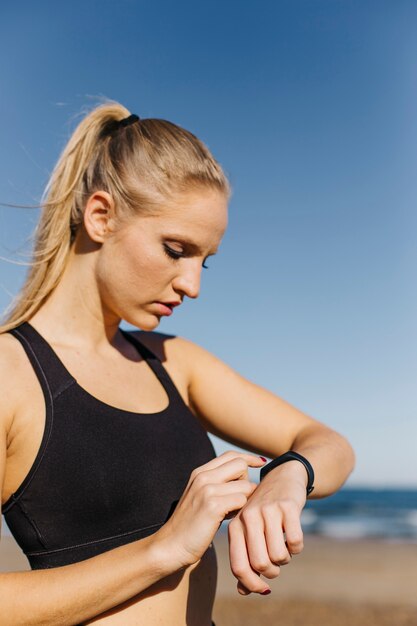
[
  {"x": 156, "y": 365},
  {"x": 51, "y": 372}
]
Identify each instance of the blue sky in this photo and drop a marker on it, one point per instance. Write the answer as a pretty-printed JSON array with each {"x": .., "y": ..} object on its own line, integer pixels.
[{"x": 310, "y": 106}]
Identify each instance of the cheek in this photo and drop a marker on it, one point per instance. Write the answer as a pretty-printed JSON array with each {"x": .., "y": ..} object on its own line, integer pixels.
[
  {"x": 124, "y": 270},
  {"x": 144, "y": 266}
]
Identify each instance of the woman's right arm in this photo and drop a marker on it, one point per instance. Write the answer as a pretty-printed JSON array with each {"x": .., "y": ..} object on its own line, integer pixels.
[
  {"x": 71, "y": 594},
  {"x": 74, "y": 593}
]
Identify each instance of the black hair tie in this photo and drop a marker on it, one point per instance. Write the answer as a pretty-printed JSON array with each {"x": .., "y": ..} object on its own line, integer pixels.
[
  {"x": 127, "y": 121},
  {"x": 113, "y": 126}
]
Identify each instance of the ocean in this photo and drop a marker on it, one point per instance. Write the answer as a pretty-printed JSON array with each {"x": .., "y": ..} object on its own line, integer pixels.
[
  {"x": 388, "y": 514},
  {"x": 385, "y": 514}
]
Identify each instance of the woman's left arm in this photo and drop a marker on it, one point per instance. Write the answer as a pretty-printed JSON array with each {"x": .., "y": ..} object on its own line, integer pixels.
[{"x": 267, "y": 530}]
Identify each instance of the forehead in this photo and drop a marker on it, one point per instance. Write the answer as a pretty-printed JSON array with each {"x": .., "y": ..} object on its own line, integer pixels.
[
  {"x": 198, "y": 210},
  {"x": 200, "y": 216}
]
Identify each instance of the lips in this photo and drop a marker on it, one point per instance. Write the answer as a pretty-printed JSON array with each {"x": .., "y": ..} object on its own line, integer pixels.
[{"x": 165, "y": 308}]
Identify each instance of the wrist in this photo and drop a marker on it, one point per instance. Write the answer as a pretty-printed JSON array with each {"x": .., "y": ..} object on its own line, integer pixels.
[
  {"x": 288, "y": 457},
  {"x": 287, "y": 482},
  {"x": 168, "y": 555},
  {"x": 162, "y": 554},
  {"x": 291, "y": 471}
]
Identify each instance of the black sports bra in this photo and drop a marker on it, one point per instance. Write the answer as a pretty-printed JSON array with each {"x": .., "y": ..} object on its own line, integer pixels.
[{"x": 102, "y": 477}]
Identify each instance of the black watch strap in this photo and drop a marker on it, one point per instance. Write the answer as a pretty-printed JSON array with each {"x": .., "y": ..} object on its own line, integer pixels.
[{"x": 291, "y": 456}]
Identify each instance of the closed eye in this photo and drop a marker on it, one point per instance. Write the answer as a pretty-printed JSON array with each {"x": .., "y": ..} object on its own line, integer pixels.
[
  {"x": 176, "y": 254},
  {"x": 173, "y": 254}
]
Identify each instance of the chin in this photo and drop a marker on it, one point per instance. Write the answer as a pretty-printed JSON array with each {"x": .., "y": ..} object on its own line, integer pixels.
[{"x": 147, "y": 323}]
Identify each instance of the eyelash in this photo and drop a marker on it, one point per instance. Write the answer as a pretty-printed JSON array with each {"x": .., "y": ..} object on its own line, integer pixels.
[{"x": 173, "y": 254}]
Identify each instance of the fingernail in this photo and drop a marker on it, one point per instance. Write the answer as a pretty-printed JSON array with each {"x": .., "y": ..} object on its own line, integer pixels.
[
  {"x": 266, "y": 592},
  {"x": 263, "y": 459}
]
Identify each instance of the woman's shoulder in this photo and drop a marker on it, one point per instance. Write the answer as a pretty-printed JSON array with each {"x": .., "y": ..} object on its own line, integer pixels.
[
  {"x": 12, "y": 374},
  {"x": 13, "y": 360},
  {"x": 11, "y": 355}
]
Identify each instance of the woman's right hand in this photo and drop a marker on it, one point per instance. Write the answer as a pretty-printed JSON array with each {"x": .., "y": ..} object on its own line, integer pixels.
[{"x": 213, "y": 491}]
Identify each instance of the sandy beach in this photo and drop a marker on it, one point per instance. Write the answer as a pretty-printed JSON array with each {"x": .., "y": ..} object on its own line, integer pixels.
[{"x": 332, "y": 583}]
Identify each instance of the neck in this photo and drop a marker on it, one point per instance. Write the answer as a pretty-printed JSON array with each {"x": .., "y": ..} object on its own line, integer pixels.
[{"x": 74, "y": 313}]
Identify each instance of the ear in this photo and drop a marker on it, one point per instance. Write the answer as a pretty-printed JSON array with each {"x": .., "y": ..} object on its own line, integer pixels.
[{"x": 99, "y": 217}]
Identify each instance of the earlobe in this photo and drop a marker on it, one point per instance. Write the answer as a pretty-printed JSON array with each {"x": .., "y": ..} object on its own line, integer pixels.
[{"x": 99, "y": 215}]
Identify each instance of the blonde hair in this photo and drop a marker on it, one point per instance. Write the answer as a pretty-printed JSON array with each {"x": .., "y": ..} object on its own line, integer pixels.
[{"x": 141, "y": 165}]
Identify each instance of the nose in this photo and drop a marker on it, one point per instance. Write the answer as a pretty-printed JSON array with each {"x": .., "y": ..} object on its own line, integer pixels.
[{"x": 187, "y": 282}]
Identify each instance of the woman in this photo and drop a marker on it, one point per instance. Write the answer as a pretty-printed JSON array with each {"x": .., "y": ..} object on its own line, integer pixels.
[{"x": 110, "y": 483}]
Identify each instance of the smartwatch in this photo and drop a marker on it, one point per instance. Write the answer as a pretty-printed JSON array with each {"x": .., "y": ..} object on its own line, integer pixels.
[{"x": 291, "y": 456}]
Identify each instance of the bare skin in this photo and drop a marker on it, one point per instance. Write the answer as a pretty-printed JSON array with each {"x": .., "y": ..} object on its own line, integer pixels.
[{"x": 122, "y": 273}]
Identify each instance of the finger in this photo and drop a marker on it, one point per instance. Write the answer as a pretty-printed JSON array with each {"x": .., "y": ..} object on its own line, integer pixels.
[
  {"x": 241, "y": 486},
  {"x": 245, "y": 592},
  {"x": 248, "y": 579},
  {"x": 228, "y": 503},
  {"x": 235, "y": 469},
  {"x": 254, "y": 529},
  {"x": 274, "y": 537},
  {"x": 250, "y": 459},
  {"x": 242, "y": 589},
  {"x": 234, "y": 486},
  {"x": 230, "y": 471},
  {"x": 293, "y": 530}
]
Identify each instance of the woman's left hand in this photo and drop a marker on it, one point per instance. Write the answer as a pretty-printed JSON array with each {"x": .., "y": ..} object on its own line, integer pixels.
[{"x": 267, "y": 531}]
